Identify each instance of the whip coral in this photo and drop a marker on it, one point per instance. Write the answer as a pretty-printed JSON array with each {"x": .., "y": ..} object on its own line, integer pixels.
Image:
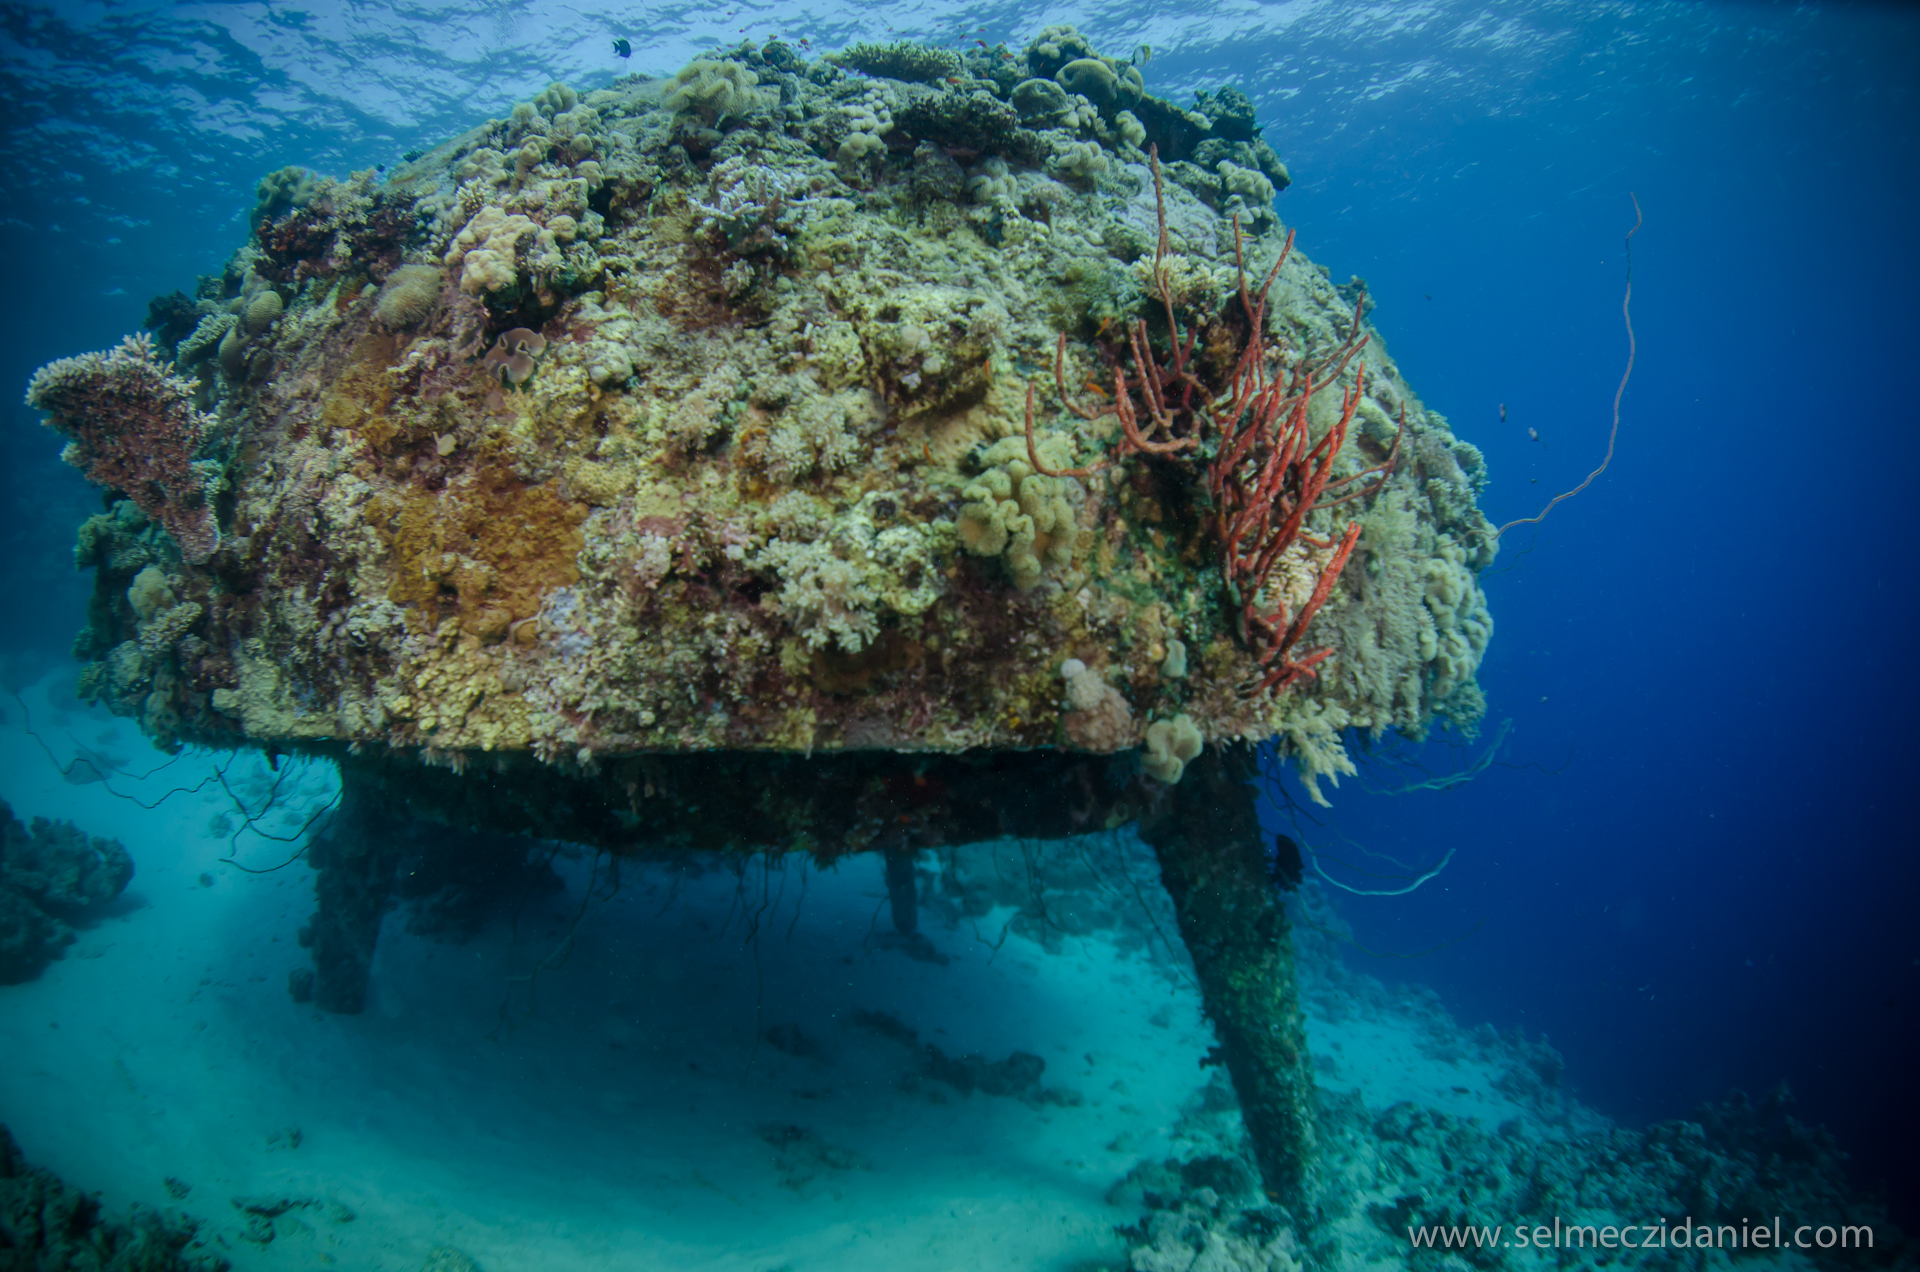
[
  {"x": 1266, "y": 473},
  {"x": 133, "y": 426}
]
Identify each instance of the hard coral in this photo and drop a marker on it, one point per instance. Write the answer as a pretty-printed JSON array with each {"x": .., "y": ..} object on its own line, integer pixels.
[
  {"x": 975, "y": 122},
  {"x": 262, "y": 312},
  {"x": 282, "y": 192},
  {"x": 46, "y": 1223},
  {"x": 50, "y": 874},
  {"x": 753, "y": 211},
  {"x": 1054, "y": 48},
  {"x": 902, "y": 60},
  {"x": 1041, "y": 101},
  {"x": 1101, "y": 80},
  {"x": 134, "y": 427}
]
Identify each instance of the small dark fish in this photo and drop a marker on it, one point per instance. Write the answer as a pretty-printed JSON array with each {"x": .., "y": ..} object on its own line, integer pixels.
[
  {"x": 1285, "y": 864},
  {"x": 623, "y": 48},
  {"x": 1533, "y": 434},
  {"x": 1503, "y": 412}
]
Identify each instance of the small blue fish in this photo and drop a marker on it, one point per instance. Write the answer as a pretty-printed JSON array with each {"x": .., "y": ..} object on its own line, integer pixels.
[{"x": 623, "y": 48}]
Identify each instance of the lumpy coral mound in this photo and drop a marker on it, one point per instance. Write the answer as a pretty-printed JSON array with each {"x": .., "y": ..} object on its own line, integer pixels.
[
  {"x": 789, "y": 405},
  {"x": 51, "y": 875}
]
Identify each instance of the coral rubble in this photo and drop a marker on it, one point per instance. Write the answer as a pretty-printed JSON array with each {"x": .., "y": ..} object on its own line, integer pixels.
[{"x": 700, "y": 413}]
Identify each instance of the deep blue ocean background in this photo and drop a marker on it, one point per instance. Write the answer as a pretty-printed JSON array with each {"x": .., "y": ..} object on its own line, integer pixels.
[{"x": 1692, "y": 865}]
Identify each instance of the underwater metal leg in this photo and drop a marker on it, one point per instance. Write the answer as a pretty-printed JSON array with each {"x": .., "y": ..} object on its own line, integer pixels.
[
  {"x": 355, "y": 861},
  {"x": 1212, "y": 860},
  {"x": 902, "y": 891}
]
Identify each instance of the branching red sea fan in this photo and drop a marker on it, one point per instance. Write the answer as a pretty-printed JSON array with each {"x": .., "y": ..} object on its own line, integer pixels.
[
  {"x": 134, "y": 427},
  {"x": 1266, "y": 473}
]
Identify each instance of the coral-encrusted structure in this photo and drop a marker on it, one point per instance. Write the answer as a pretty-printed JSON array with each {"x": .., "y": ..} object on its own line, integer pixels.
[
  {"x": 861, "y": 454},
  {"x": 754, "y": 472}
]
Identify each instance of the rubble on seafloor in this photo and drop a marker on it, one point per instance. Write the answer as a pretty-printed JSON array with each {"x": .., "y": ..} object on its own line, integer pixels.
[
  {"x": 1408, "y": 1178},
  {"x": 692, "y": 414}
]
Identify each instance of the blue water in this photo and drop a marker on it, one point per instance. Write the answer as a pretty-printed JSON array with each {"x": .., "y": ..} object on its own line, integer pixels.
[
  {"x": 1692, "y": 864},
  {"x": 1720, "y": 887}
]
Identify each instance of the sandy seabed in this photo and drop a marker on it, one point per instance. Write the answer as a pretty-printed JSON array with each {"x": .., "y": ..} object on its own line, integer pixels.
[{"x": 727, "y": 1069}]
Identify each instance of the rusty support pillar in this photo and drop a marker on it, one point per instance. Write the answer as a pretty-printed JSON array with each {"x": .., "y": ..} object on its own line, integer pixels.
[
  {"x": 1207, "y": 835},
  {"x": 354, "y": 861}
]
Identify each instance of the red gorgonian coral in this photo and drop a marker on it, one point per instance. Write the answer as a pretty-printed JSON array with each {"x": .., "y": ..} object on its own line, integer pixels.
[
  {"x": 1249, "y": 423},
  {"x": 134, "y": 427}
]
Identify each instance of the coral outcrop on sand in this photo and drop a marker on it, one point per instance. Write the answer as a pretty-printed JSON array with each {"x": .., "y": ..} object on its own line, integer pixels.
[
  {"x": 51, "y": 876},
  {"x": 45, "y": 1223},
  {"x": 783, "y": 405}
]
